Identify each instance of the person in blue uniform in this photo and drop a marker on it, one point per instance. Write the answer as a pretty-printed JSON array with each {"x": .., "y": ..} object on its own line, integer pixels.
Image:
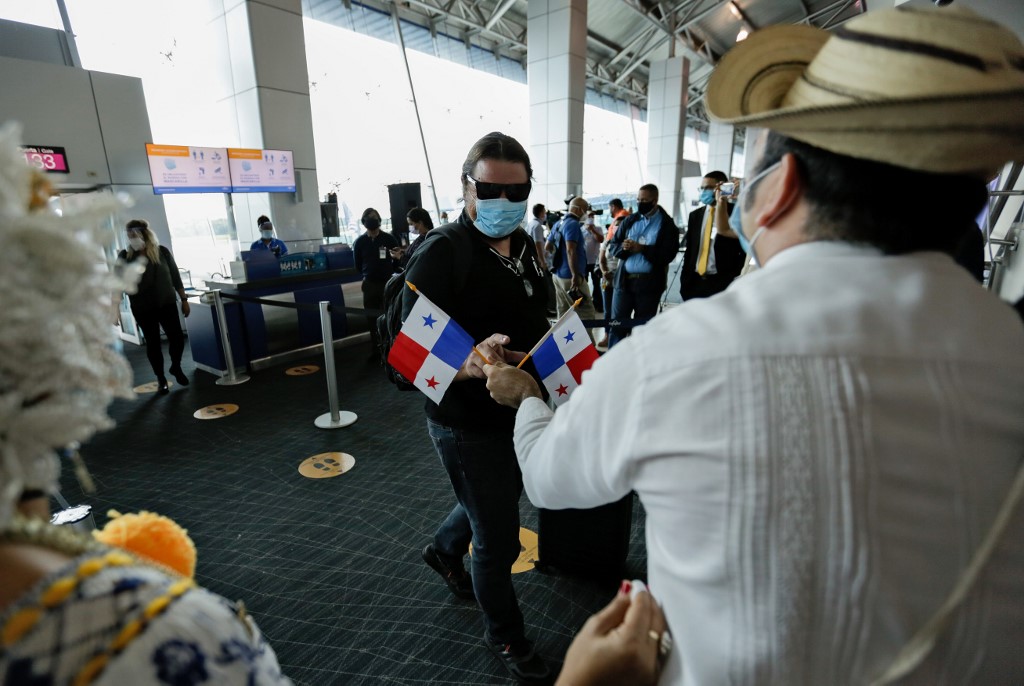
[{"x": 267, "y": 241}]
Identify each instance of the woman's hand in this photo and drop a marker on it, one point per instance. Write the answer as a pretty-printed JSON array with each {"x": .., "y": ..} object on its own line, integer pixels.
[
  {"x": 185, "y": 308},
  {"x": 621, "y": 644}
]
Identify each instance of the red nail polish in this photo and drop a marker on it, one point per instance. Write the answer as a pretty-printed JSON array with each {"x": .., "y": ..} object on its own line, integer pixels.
[{"x": 624, "y": 588}]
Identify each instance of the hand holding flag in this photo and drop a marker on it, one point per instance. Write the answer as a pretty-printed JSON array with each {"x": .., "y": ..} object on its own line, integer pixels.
[{"x": 563, "y": 355}]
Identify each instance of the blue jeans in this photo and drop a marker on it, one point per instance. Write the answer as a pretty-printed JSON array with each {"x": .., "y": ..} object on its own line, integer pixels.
[
  {"x": 634, "y": 299},
  {"x": 485, "y": 475}
]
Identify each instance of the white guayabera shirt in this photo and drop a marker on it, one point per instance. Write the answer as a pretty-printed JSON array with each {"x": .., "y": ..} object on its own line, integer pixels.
[{"x": 819, "y": 450}]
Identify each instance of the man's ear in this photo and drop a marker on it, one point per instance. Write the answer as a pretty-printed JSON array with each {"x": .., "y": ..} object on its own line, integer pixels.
[{"x": 780, "y": 191}]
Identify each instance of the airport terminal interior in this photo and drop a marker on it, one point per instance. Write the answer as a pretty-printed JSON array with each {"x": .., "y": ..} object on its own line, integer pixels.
[{"x": 209, "y": 118}]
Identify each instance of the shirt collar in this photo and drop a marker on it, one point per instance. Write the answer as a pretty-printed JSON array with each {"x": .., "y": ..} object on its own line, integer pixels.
[{"x": 816, "y": 250}]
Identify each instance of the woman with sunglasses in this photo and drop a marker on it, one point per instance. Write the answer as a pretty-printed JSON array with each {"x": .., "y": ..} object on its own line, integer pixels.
[{"x": 499, "y": 297}]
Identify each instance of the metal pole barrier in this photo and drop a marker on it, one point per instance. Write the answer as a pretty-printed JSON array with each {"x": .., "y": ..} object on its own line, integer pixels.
[
  {"x": 335, "y": 419},
  {"x": 230, "y": 379}
]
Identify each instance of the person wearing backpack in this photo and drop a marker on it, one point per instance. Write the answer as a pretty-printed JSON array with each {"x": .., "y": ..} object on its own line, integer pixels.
[{"x": 483, "y": 271}]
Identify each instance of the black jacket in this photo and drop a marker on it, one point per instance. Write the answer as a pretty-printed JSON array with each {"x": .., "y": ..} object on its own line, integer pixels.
[
  {"x": 660, "y": 254},
  {"x": 159, "y": 283},
  {"x": 729, "y": 260}
]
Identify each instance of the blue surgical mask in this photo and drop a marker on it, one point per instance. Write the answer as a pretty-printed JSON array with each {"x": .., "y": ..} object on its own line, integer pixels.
[
  {"x": 736, "y": 219},
  {"x": 499, "y": 217},
  {"x": 707, "y": 196}
]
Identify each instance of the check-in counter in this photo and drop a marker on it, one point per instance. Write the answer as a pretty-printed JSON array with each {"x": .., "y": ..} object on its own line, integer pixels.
[{"x": 259, "y": 331}]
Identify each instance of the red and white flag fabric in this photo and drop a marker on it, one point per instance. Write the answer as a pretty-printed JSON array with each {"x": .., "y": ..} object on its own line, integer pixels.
[
  {"x": 563, "y": 356},
  {"x": 430, "y": 348}
]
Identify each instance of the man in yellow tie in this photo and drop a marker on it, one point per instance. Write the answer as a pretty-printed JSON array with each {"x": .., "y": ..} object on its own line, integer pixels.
[{"x": 713, "y": 255}]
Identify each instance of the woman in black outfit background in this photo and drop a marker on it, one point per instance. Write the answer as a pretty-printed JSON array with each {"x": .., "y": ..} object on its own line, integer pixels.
[{"x": 153, "y": 304}]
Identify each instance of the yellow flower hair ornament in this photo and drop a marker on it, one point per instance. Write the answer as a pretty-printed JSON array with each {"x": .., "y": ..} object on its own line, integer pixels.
[{"x": 153, "y": 538}]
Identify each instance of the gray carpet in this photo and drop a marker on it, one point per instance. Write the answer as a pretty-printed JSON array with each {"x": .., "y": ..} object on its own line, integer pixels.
[{"x": 330, "y": 568}]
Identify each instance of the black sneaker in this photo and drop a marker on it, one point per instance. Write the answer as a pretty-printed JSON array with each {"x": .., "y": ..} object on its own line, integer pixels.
[
  {"x": 522, "y": 662},
  {"x": 460, "y": 583},
  {"x": 161, "y": 387}
]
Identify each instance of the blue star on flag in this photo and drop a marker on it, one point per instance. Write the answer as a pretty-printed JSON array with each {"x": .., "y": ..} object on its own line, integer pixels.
[
  {"x": 429, "y": 321},
  {"x": 569, "y": 336}
]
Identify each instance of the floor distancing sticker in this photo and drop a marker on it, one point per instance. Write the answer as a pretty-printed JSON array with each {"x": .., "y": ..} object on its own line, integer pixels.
[
  {"x": 151, "y": 387},
  {"x": 215, "y": 411},
  {"x": 527, "y": 551},
  {"x": 302, "y": 370},
  {"x": 326, "y": 465}
]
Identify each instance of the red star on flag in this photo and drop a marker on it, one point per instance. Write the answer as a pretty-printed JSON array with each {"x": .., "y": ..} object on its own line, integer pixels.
[
  {"x": 432, "y": 383},
  {"x": 563, "y": 390}
]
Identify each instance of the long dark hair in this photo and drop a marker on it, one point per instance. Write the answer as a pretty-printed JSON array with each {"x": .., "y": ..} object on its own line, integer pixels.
[
  {"x": 420, "y": 215},
  {"x": 496, "y": 146}
]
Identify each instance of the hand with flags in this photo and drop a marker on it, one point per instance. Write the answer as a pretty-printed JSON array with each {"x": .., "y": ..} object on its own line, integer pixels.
[{"x": 560, "y": 358}]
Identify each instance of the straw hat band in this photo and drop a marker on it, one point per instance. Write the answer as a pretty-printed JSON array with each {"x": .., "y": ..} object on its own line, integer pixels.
[
  {"x": 927, "y": 49},
  {"x": 859, "y": 65},
  {"x": 760, "y": 85}
]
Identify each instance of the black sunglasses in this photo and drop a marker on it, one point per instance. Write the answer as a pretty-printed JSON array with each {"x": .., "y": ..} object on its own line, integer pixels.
[{"x": 516, "y": 192}]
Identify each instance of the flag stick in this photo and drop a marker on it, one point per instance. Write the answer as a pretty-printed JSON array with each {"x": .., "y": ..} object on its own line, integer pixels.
[
  {"x": 482, "y": 356},
  {"x": 544, "y": 337}
]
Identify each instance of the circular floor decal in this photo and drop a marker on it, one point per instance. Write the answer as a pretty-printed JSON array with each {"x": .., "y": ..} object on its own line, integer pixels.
[
  {"x": 151, "y": 387},
  {"x": 326, "y": 465},
  {"x": 303, "y": 370},
  {"x": 527, "y": 551},
  {"x": 215, "y": 411}
]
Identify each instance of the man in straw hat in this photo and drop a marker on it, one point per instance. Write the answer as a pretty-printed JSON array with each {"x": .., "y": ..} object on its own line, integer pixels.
[{"x": 828, "y": 472}]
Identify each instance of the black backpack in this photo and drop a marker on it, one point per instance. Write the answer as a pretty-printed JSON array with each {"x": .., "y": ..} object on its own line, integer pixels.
[
  {"x": 390, "y": 323},
  {"x": 556, "y": 238}
]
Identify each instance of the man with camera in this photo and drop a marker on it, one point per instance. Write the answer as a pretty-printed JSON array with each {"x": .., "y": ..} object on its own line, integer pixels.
[
  {"x": 571, "y": 274},
  {"x": 714, "y": 256}
]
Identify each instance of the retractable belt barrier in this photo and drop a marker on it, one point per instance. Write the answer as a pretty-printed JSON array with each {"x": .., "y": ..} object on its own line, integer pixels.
[
  {"x": 336, "y": 418},
  {"x": 589, "y": 323}
]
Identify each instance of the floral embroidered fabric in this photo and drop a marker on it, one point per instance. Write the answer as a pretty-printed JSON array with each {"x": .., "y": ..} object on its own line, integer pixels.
[{"x": 99, "y": 621}]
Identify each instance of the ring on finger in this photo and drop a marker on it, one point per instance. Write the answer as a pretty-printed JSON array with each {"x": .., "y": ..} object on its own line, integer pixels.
[{"x": 664, "y": 647}]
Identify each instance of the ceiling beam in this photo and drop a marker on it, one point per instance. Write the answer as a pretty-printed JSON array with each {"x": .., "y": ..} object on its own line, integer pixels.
[{"x": 499, "y": 12}]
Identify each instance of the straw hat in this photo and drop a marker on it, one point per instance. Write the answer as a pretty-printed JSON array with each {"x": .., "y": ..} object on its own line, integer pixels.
[{"x": 936, "y": 89}]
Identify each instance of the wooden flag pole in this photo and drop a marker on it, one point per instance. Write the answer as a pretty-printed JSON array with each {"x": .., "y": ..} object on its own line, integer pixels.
[{"x": 544, "y": 337}]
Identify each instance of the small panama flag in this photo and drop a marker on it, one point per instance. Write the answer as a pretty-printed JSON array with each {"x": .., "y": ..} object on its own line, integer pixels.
[
  {"x": 430, "y": 348},
  {"x": 563, "y": 355}
]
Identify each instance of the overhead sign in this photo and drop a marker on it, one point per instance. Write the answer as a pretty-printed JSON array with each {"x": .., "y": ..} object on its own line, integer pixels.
[
  {"x": 261, "y": 171},
  {"x": 48, "y": 158},
  {"x": 183, "y": 169}
]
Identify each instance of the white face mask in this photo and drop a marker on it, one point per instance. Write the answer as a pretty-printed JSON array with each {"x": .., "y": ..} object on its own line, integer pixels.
[
  {"x": 137, "y": 243},
  {"x": 267, "y": 234}
]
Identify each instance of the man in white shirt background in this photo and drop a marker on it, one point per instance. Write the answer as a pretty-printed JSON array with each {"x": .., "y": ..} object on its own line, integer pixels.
[{"x": 822, "y": 448}]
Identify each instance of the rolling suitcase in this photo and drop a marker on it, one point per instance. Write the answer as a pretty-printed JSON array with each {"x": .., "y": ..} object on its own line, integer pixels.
[{"x": 592, "y": 543}]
